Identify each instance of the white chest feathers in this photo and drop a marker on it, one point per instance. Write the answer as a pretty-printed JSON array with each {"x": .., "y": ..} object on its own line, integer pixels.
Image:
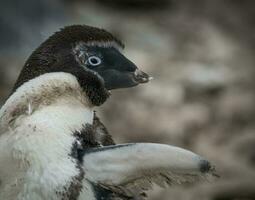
[{"x": 36, "y": 138}]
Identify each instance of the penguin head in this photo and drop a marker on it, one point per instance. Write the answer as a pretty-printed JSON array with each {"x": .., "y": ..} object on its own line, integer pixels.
[
  {"x": 111, "y": 65},
  {"x": 91, "y": 54}
]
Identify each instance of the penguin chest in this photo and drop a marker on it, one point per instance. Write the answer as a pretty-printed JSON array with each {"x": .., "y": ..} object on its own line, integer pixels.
[{"x": 39, "y": 150}]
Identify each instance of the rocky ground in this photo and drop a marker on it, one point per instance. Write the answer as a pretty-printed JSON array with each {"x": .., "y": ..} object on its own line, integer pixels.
[{"x": 201, "y": 55}]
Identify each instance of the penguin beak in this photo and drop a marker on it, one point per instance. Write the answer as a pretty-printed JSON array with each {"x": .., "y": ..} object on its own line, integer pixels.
[
  {"x": 141, "y": 77},
  {"x": 116, "y": 79}
]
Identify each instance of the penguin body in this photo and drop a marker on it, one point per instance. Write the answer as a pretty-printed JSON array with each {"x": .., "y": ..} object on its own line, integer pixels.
[{"x": 54, "y": 147}]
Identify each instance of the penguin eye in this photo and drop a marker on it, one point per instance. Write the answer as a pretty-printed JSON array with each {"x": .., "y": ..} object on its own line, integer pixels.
[{"x": 94, "y": 61}]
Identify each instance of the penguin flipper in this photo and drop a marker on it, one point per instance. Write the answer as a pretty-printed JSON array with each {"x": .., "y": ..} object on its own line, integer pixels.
[{"x": 139, "y": 165}]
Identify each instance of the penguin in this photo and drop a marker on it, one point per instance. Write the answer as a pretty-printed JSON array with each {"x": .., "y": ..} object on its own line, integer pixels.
[{"x": 54, "y": 147}]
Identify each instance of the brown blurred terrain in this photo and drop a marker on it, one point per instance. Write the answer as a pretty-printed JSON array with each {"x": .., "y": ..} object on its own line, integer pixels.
[{"x": 201, "y": 54}]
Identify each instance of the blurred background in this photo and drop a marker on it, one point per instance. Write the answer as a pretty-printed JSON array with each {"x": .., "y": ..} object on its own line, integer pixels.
[{"x": 201, "y": 55}]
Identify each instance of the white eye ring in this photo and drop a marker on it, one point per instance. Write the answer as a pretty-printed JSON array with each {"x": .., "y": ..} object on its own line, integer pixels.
[{"x": 94, "y": 61}]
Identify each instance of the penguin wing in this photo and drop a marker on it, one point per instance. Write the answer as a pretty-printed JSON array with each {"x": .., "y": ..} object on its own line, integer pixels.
[{"x": 139, "y": 165}]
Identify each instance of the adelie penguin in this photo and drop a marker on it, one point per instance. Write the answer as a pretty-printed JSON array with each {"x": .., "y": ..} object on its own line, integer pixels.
[{"x": 53, "y": 147}]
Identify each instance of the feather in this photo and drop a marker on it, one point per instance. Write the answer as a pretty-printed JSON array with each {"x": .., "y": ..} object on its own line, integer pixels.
[{"x": 127, "y": 168}]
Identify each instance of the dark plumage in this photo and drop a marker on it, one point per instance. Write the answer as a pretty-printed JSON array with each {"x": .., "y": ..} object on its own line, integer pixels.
[
  {"x": 48, "y": 57},
  {"x": 75, "y": 33}
]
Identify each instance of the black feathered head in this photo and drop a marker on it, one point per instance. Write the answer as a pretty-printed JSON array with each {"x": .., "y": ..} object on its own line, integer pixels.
[{"x": 91, "y": 54}]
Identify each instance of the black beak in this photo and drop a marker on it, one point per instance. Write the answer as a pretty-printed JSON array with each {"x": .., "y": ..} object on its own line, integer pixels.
[{"x": 115, "y": 79}]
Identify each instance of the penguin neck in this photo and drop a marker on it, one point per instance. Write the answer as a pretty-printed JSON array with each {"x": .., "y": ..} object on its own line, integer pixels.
[{"x": 42, "y": 91}]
